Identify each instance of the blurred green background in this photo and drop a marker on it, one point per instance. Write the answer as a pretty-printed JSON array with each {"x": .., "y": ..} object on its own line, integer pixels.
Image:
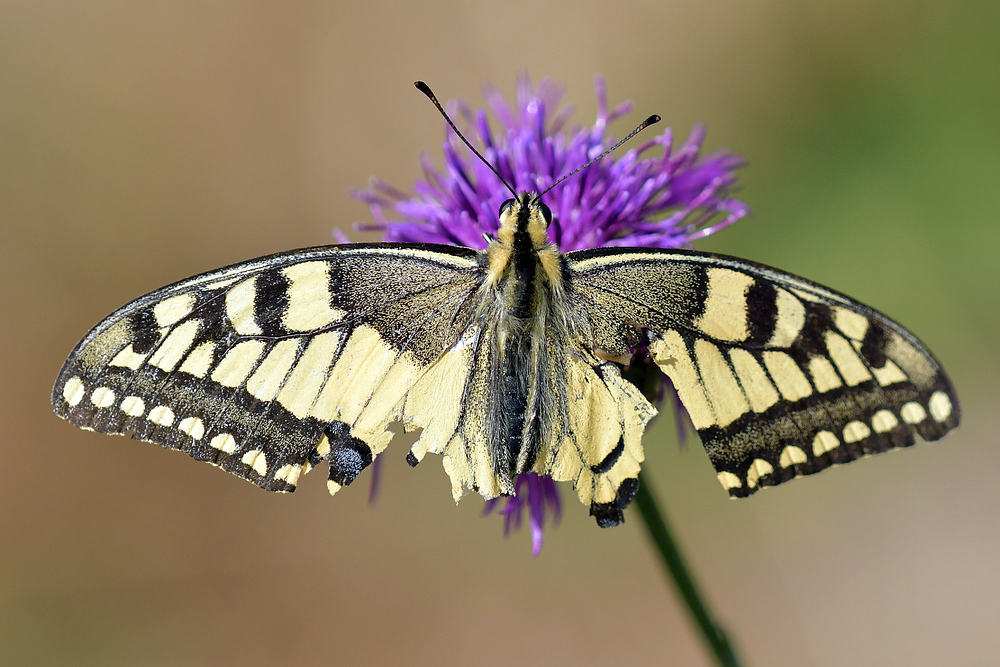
[{"x": 144, "y": 142}]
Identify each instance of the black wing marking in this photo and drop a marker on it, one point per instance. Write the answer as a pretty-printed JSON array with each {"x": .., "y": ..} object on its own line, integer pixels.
[
  {"x": 263, "y": 368},
  {"x": 781, "y": 377}
]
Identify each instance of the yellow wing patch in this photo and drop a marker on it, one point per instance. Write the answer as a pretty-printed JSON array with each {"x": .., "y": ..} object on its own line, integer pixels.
[{"x": 781, "y": 377}]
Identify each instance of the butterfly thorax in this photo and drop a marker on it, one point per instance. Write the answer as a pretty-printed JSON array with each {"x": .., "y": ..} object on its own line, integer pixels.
[
  {"x": 522, "y": 244},
  {"x": 524, "y": 314}
]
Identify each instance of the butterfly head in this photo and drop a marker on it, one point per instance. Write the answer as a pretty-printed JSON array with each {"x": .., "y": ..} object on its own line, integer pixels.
[
  {"x": 523, "y": 237},
  {"x": 526, "y": 214}
]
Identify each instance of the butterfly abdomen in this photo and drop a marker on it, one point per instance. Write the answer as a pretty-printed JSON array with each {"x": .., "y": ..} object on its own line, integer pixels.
[{"x": 522, "y": 304}]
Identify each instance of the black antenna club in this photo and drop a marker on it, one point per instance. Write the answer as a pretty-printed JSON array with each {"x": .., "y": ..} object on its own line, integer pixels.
[{"x": 426, "y": 90}]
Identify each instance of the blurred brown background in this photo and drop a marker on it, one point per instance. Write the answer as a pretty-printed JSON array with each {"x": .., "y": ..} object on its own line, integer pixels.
[{"x": 144, "y": 142}]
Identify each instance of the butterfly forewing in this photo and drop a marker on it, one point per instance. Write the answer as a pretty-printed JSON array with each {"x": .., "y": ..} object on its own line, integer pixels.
[
  {"x": 781, "y": 377},
  {"x": 265, "y": 367}
]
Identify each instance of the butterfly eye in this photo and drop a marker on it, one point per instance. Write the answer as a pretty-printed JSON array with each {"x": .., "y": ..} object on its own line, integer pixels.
[
  {"x": 504, "y": 206},
  {"x": 546, "y": 213}
]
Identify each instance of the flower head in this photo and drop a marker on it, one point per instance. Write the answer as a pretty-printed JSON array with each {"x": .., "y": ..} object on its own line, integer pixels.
[
  {"x": 622, "y": 200},
  {"x": 626, "y": 199}
]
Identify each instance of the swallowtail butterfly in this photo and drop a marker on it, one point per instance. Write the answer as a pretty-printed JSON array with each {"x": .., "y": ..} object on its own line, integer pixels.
[{"x": 509, "y": 360}]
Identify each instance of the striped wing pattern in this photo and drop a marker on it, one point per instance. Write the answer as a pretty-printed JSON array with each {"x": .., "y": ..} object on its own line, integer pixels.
[
  {"x": 267, "y": 367},
  {"x": 781, "y": 377}
]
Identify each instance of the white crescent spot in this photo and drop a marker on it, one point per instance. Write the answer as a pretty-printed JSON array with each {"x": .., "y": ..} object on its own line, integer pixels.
[
  {"x": 791, "y": 455},
  {"x": 224, "y": 442},
  {"x": 824, "y": 442},
  {"x": 758, "y": 469},
  {"x": 161, "y": 415},
  {"x": 103, "y": 397},
  {"x": 289, "y": 473},
  {"x": 856, "y": 431},
  {"x": 133, "y": 406},
  {"x": 73, "y": 391},
  {"x": 193, "y": 426},
  {"x": 729, "y": 481},
  {"x": 257, "y": 460},
  {"x": 883, "y": 421},
  {"x": 940, "y": 406}
]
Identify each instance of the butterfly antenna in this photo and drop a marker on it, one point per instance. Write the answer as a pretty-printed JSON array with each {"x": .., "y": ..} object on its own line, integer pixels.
[
  {"x": 425, "y": 89},
  {"x": 642, "y": 126}
]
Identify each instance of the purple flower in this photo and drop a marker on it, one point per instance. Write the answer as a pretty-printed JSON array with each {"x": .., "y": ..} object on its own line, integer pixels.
[
  {"x": 540, "y": 494},
  {"x": 626, "y": 199}
]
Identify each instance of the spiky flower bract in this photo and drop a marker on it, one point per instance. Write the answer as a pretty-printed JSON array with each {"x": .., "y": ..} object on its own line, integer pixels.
[{"x": 630, "y": 198}]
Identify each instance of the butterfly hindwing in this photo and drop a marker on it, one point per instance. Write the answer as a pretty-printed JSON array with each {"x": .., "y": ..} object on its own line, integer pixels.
[
  {"x": 264, "y": 368},
  {"x": 599, "y": 448},
  {"x": 781, "y": 377}
]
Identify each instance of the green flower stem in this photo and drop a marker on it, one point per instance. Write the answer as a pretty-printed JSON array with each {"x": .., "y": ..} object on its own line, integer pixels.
[{"x": 656, "y": 524}]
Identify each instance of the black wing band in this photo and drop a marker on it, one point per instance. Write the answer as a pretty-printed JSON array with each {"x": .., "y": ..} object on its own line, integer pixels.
[{"x": 781, "y": 377}]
